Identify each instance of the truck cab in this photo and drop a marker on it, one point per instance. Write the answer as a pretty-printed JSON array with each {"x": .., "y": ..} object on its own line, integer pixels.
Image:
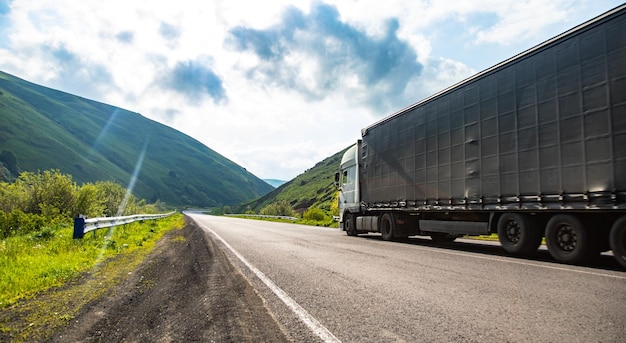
[{"x": 347, "y": 181}]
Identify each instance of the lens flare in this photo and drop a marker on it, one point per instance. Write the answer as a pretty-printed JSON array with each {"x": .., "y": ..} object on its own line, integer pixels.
[{"x": 129, "y": 191}]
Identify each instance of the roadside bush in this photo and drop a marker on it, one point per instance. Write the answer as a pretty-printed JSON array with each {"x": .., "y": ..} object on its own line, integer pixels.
[
  {"x": 51, "y": 198},
  {"x": 279, "y": 208},
  {"x": 19, "y": 222},
  {"x": 87, "y": 201},
  {"x": 314, "y": 214},
  {"x": 112, "y": 196},
  {"x": 334, "y": 204},
  {"x": 49, "y": 190}
]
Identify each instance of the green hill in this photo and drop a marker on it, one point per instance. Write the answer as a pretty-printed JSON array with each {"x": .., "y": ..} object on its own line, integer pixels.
[
  {"x": 41, "y": 128},
  {"x": 313, "y": 188}
]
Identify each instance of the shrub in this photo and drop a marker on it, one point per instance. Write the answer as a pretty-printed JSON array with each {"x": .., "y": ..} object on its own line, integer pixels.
[
  {"x": 314, "y": 214},
  {"x": 19, "y": 222},
  {"x": 51, "y": 198},
  {"x": 47, "y": 190},
  {"x": 88, "y": 202},
  {"x": 113, "y": 195},
  {"x": 279, "y": 208},
  {"x": 334, "y": 204}
]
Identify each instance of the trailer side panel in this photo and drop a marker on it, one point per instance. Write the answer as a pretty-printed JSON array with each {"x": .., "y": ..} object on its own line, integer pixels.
[{"x": 547, "y": 130}]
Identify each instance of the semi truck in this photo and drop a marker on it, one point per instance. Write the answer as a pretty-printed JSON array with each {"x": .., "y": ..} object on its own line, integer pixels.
[{"x": 531, "y": 148}]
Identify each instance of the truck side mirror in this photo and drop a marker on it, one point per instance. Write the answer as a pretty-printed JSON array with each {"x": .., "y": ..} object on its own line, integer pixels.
[{"x": 337, "y": 180}]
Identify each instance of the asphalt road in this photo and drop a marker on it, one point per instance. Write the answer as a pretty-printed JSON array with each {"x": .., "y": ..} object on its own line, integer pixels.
[{"x": 322, "y": 285}]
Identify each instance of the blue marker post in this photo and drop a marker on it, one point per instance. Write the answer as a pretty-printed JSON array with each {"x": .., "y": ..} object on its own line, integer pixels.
[{"x": 79, "y": 227}]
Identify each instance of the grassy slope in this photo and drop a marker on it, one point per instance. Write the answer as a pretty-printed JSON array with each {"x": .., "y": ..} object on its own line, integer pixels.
[
  {"x": 32, "y": 264},
  {"x": 313, "y": 188},
  {"x": 92, "y": 141}
]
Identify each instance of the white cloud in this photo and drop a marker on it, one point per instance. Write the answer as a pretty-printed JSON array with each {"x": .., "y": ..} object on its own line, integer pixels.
[
  {"x": 522, "y": 20},
  {"x": 276, "y": 117}
]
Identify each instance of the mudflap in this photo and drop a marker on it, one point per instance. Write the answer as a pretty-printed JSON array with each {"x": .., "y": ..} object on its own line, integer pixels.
[{"x": 405, "y": 225}]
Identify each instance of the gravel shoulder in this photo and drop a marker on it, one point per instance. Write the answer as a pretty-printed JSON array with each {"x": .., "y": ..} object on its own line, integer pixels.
[{"x": 186, "y": 290}]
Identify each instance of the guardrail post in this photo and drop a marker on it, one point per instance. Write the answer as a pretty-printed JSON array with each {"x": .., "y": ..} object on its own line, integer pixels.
[{"x": 79, "y": 227}]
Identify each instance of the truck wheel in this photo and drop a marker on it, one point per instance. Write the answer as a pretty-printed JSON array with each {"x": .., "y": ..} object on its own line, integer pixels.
[
  {"x": 617, "y": 239},
  {"x": 387, "y": 226},
  {"x": 441, "y": 237},
  {"x": 567, "y": 239},
  {"x": 518, "y": 233},
  {"x": 349, "y": 224}
]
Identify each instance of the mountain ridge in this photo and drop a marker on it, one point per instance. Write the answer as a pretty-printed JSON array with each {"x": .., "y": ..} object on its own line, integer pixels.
[
  {"x": 313, "y": 188},
  {"x": 49, "y": 129}
]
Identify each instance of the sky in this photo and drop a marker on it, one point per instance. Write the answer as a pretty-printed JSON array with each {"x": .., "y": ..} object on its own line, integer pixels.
[{"x": 275, "y": 86}]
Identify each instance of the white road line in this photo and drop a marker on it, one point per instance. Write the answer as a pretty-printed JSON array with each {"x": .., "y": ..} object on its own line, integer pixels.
[{"x": 320, "y": 330}]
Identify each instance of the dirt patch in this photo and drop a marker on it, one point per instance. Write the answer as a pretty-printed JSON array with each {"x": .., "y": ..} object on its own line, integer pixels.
[{"x": 186, "y": 290}]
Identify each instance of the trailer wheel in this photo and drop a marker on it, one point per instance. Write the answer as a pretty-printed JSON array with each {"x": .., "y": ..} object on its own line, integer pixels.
[
  {"x": 567, "y": 239},
  {"x": 617, "y": 239},
  {"x": 518, "y": 233},
  {"x": 387, "y": 226},
  {"x": 349, "y": 224}
]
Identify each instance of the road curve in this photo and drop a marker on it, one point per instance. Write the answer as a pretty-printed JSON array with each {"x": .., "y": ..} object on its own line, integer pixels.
[{"x": 363, "y": 289}]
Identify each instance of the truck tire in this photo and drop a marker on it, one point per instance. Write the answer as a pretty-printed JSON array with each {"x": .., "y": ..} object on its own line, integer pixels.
[
  {"x": 617, "y": 240},
  {"x": 518, "y": 233},
  {"x": 567, "y": 239},
  {"x": 387, "y": 226},
  {"x": 349, "y": 224}
]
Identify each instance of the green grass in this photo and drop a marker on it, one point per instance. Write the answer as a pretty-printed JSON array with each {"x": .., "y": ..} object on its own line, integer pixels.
[
  {"x": 49, "y": 258},
  {"x": 492, "y": 237},
  {"x": 50, "y": 277}
]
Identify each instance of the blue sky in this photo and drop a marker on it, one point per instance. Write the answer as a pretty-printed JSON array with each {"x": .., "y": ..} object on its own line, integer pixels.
[{"x": 275, "y": 86}]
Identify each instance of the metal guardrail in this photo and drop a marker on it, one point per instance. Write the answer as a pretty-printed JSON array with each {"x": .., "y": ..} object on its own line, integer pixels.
[
  {"x": 260, "y": 216},
  {"x": 83, "y": 225}
]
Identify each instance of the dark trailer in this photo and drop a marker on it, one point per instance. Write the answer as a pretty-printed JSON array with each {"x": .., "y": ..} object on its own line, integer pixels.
[{"x": 534, "y": 145}]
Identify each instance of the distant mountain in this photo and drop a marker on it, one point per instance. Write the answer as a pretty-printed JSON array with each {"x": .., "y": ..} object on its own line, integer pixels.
[
  {"x": 274, "y": 183},
  {"x": 42, "y": 128},
  {"x": 313, "y": 188}
]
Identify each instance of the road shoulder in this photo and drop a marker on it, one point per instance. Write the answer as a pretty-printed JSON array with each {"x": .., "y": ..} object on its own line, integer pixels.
[{"x": 186, "y": 290}]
